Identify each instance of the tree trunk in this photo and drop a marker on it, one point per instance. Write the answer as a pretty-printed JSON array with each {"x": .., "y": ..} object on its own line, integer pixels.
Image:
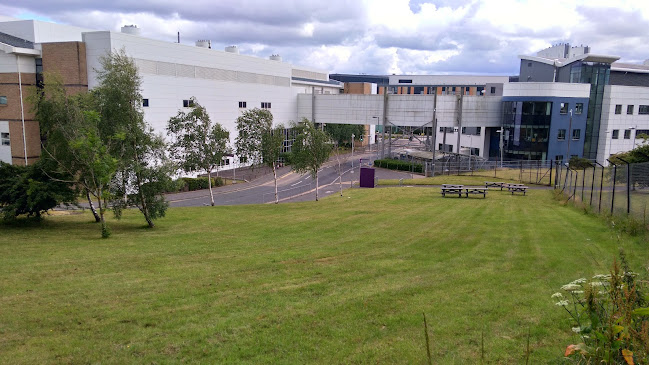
[
  {"x": 92, "y": 207},
  {"x": 316, "y": 185},
  {"x": 275, "y": 177},
  {"x": 144, "y": 208},
  {"x": 340, "y": 172},
  {"x": 104, "y": 229},
  {"x": 209, "y": 185}
]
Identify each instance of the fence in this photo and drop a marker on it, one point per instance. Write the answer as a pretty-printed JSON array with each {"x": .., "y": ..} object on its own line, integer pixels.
[
  {"x": 621, "y": 189},
  {"x": 532, "y": 172}
]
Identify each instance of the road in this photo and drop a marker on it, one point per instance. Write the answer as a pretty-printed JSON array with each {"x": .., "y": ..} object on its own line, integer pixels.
[{"x": 292, "y": 187}]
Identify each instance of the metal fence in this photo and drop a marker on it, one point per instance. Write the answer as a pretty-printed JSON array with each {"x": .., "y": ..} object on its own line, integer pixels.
[
  {"x": 532, "y": 172},
  {"x": 621, "y": 189}
]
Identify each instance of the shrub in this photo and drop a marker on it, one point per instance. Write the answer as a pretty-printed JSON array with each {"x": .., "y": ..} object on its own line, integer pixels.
[
  {"x": 198, "y": 183},
  {"x": 609, "y": 312},
  {"x": 399, "y": 165}
]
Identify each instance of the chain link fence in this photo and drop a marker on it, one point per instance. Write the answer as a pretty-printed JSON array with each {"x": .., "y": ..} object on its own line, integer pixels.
[
  {"x": 621, "y": 189},
  {"x": 530, "y": 172}
]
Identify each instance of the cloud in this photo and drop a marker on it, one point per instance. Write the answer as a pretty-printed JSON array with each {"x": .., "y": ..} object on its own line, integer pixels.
[{"x": 373, "y": 36}]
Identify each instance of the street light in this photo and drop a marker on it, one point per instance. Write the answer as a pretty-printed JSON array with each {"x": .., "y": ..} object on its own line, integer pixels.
[
  {"x": 502, "y": 144},
  {"x": 353, "y": 152},
  {"x": 569, "y": 136}
]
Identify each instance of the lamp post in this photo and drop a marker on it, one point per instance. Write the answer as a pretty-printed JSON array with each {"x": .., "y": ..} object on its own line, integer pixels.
[
  {"x": 634, "y": 129},
  {"x": 609, "y": 143},
  {"x": 353, "y": 152},
  {"x": 502, "y": 144},
  {"x": 569, "y": 136}
]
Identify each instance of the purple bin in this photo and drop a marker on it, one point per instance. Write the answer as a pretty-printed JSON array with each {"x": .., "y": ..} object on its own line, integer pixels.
[{"x": 367, "y": 177}]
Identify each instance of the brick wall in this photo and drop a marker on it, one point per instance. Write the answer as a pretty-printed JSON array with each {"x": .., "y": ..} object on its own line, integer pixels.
[{"x": 68, "y": 60}]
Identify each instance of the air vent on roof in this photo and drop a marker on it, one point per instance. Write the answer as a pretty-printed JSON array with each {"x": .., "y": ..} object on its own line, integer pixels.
[
  {"x": 276, "y": 57},
  {"x": 204, "y": 43},
  {"x": 232, "y": 49},
  {"x": 131, "y": 29}
]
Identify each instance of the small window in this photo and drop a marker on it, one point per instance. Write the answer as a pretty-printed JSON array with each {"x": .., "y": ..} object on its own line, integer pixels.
[
  {"x": 265, "y": 105},
  {"x": 405, "y": 81},
  {"x": 579, "y": 108},
  {"x": 576, "y": 134},
  {"x": 188, "y": 103},
  {"x": 242, "y": 104},
  {"x": 493, "y": 89},
  {"x": 629, "y": 109},
  {"x": 627, "y": 134},
  {"x": 3, "y": 100},
  {"x": 5, "y": 141},
  {"x": 643, "y": 109},
  {"x": 145, "y": 102},
  {"x": 618, "y": 109},
  {"x": 564, "y": 108},
  {"x": 529, "y": 64},
  {"x": 562, "y": 134},
  {"x": 616, "y": 133},
  {"x": 558, "y": 158}
]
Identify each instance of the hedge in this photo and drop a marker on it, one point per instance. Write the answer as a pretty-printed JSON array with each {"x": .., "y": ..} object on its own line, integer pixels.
[
  {"x": 191, "y": 184},
  {"x": 399, "y": 165}
]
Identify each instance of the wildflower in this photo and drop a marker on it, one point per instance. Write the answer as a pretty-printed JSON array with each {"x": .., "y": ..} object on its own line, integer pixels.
[
  {"x": 602, "y": 277},
  {"x": 562, "y": 303},
  {"x": 596, "y": 283},
  {"x": 576, "y": 329},
  {"x": 570, "y": 287},
  {"x": 579, "y": 281},
  {"x": 577, "y": 292},
  {"x": 557, "y": 295}
]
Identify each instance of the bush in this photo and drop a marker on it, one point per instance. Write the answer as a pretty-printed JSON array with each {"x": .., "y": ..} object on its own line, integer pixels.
[
  {"x": 609, "y": 312},
  {"x": 399, "y": 165},
  {"x": 199, "y": 183}
]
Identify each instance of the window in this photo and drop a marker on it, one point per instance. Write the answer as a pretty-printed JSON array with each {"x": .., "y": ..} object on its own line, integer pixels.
[
  {"x": 564, "y": 108},
  {"x": 188, "y": 103},
  {"x": 242, "y": 104},
  {"x": 629, "y": 109},
  {"x": 145, "y": 102},
  {"x": 558, "y": 158},
  {"x": 641, "y": 132},
  {"x": 265, "y": 105},
  {"x": 3, "y": 100},
  {"x": 618, "y": 109},
  {"x": 493, "y": 89},
  {"x": 576, "y": 134},
  {"x": 529, "y": 64},
  {"x": 474, "y": 131},
  {"x": 4, "y": 137},
  {"x": 616, "y": 133},
  {"x": 403, "y": 81},
  {"x": 562, "y": 134},
  {"x": 643, "y": 109},
  {"x": 627, "y": 134},
  {"x": 579, "y": 108}
]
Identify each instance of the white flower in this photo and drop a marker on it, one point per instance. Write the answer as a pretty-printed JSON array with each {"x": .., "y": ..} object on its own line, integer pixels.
[
  {"x": 576, "y": 329},
  {"x": 562, "y": 303},
  {"x": 570, "y": 287},
  {"x": 579, "y": 281},
  {"x": 596, "y": 283},
  {"x": 557, "y": 295},
  {"x": 578, "y": 292},
  {"x": 602, "y": 277}
]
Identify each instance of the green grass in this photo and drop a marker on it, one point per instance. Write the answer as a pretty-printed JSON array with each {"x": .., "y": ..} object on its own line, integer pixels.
[{"x": 343, "y": 280}]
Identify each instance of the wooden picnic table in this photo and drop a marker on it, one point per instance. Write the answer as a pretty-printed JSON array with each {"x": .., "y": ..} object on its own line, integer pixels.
[
  {"x": 460, "y": 190},
  {"x": 495, "y": 184},
  {"x": 517, "y": 188}
]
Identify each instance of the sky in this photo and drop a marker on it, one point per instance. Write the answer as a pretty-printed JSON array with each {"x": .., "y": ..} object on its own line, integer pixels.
[{"x": 372, "y": 36}]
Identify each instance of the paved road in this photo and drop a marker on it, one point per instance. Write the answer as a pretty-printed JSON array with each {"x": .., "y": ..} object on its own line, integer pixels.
[{"x": 292, "y": 187}]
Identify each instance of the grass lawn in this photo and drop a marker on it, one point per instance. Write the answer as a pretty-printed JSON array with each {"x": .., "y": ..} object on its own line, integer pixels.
[{"x": 343, "y": 280}]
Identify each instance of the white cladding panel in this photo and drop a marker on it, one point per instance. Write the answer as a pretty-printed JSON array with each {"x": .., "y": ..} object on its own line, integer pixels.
[
  {"x": 624, "y": 96},
  {"x": 5, "y": 151},
  {"x": 457, "y": 80},
  {"x": 549, "y": 89},
  {"x": 9, "y": 63},
  {"x": 42, "y": 32}
]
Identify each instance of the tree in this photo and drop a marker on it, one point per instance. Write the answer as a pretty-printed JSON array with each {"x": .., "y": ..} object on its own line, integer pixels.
[
  {"x": 272, "y": 142},
  {"x": 310, "y": 150},
  {"x": 640, "y": 154},
  {"x": 73, "y": 141},
  {"x": 342, "y": 133},
  {"x": 142, "y": 169},
  {"x": 198, "y": 145},
  {"x": 30, "y": 190},
  {"x": 258, "y": 142}
]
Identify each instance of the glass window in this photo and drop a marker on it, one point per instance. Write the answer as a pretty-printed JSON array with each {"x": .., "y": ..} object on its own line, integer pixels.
[
  {"x": 618, "y": 109},
  {"x": 562, "y": 134},
  {"x": 579, "y": 108},
  {"x": 4, "y": 137},
  {"x": 616, "y": 133},
  {"x": 643, "y": 109},
  {"x": 3, "y": 100},
  {"x": 265, "y": 105},
  {"x": 145, "y": 102},
  {"x": 188, "y": 103},
  {"x": 493, "y": 89},
  {"x": 627, "y": 134},
  {"x": 576, "y": 134},
  {"x": 629, "y": 109},
  {"x": 242, "y": 104},
  {"x": 405, "y": 81},
  {"x": 564, "y": 108},
  {"x": 641, "y": 132},
  {"x": 558, "y": 158}
]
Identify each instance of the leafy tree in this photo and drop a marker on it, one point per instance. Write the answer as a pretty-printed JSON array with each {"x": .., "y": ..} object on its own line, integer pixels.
[
  {"x": 310, "y": 150},
  {"x": 142, "y": 169},
  {"x": 30, "y": 189},
  {"x": 258, "y": 142},
  {"x": 637, "y": 155},
  {"x": 73, "y": 141},
  {"x": 342, "y": 133},
  {"x": 198, "y": 145},
  {"x": 272, "y": 142}
]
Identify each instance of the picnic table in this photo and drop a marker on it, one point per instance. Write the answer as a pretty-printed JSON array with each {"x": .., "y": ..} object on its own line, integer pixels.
[
  {"x": 495, "y": 184},
  {"x": 460, "y": 189},
  {"x": 514, "y": 188}
]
